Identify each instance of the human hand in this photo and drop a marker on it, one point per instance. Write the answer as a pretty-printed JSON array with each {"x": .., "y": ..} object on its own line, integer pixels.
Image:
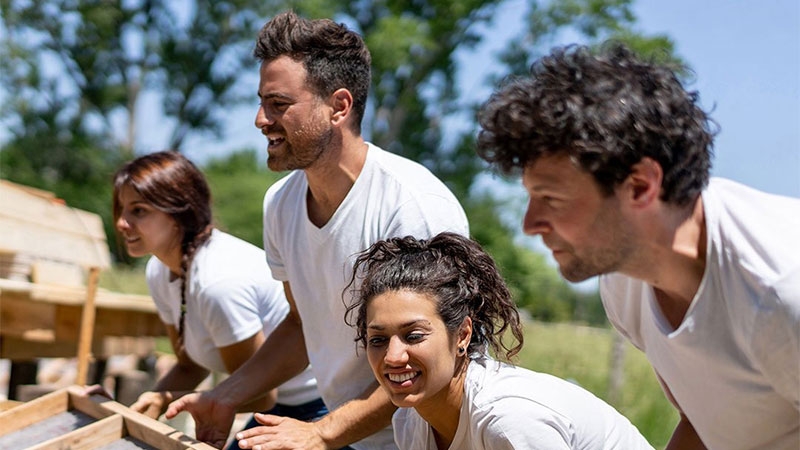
[
  {"x": 152, "y": 404},
  {"x": 213, "y": 417},
  {"x": 281, "y": 433},
  {"x": 95, "y": 389}
]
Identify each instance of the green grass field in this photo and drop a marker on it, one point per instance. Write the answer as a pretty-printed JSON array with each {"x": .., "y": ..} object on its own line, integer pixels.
[
  {"x": 583, "y": 355},
  {"x": 573, "y": 352}
]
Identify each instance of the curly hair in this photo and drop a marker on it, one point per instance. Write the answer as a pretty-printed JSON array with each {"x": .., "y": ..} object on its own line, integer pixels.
[
  {"x": 451, "y": 268},
  {"x": 173, "y": 185},
  {"x": 333, "y": 56},
  {"x": 607, "y": 112}
]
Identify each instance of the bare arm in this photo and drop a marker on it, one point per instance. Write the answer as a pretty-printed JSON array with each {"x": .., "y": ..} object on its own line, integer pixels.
[
  {"x": 351, "y": 422},
  {"x": 281, "y": 357},
  {"x": 182, "y": 377},
  {"x": 685, "y": 437},
  {"x": 185, "y": 374},
  {"x": 234, "y": 356}
]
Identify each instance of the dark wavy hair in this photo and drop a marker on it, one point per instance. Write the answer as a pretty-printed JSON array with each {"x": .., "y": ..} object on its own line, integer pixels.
[
  {"x": 452, "y": 269},
  {"x": 607, "y": 112},
  {"x": 333, "y": 56},
  {"x": 173, "y": 185}
]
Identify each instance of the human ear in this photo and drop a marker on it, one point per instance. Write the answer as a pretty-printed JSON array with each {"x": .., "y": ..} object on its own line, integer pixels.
[
  {"x": 643, "y": 185},
  {"x": 342, "y": 103},
  {"x": 464, "y": 333}
]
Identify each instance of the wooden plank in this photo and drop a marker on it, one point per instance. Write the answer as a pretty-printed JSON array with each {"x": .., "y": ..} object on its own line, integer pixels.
[
  {"x": 93, "y": 405},
  {"x": 47, "y": 228},
  {"x": 128, "y": 443},
  {"x": 146, "y": 429},
  {"x": 87, "y": 327},
  {"x": 164, "y": 439},
  {"x": 20, "y": 316},
  {"x": 75, "y": 295},
  {"x": 32, "y": 412},
  {"x": 46, "y": 240},
  {"x": 16, "y": 348},
  {"x": 86, "y": 437},
  {"x": 5, "y": 405},
  {"x": 57, "y": 272}
]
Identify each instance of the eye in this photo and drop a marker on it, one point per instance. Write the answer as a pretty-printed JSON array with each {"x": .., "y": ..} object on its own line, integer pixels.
[
  {"x": 415, "y": 337},
  {"x": 376, "y": 341},
  {"x": 275, "y": 106}
]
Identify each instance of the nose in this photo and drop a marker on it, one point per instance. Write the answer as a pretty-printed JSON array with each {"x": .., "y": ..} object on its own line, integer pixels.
[
  {"x": 533, "y": 223},
  {"x": 396, "y": 354},
  {"x": 262, "y": 118},
  {"x": 122, "y": 224}
]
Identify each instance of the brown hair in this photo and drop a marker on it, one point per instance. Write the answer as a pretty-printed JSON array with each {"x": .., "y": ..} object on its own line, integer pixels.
[{"x": 173, "y": 185}]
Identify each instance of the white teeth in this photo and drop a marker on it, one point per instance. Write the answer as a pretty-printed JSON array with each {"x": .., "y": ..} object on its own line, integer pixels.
[{"x": 401, "y": 377}]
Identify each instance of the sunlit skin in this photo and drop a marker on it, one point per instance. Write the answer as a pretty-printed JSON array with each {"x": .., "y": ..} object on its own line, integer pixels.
[
  {"x": 146, "y": 230},
  {"x": 295, "y": 121},
  {"x": 414, "y": 357},
  {"x": 583, "y": 228}
]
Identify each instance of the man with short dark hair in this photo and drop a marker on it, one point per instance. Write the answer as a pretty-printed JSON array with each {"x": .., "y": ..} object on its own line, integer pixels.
[{"x": 343, "y": 195}]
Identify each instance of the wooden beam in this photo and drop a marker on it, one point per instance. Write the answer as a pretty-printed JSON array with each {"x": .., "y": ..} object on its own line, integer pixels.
[
  {"x": 87, "y": 327},
  {"x": 87, "y": 437},
  {"x": 31, "y": 412}
]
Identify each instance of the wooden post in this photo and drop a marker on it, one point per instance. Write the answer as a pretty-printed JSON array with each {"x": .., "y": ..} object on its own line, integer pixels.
[{"x": 87, "y": 327}]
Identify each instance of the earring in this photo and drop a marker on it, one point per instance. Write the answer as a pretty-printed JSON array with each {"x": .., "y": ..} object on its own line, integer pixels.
[{"x": 461, "y": 351}]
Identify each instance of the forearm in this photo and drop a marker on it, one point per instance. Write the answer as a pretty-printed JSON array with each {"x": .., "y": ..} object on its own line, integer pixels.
[
  {"x": 181, "y": 378},
  {"x": 685, "y": 437},
  {"x": 281, "y": 357},
  {"x": 260, "y": 404},
  {"x": 357, "y": 419}
]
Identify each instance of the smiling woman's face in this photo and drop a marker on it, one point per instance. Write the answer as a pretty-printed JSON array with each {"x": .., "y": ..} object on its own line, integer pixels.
[
  {"x": 145, "y": 229},
  {"x": 410, "y": 350}
]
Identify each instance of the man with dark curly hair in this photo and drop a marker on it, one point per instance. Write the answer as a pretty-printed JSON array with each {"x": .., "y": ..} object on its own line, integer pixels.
[{"x": 702, "y": 275}]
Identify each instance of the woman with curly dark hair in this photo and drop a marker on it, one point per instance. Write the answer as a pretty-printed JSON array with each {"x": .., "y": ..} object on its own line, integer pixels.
[
  {"x": 430, "y": 314},
  {"x": 701, "y": 274}
]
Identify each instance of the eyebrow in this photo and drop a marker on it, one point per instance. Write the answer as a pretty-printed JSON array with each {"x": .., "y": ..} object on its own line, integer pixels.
[
  {"x": 137, "y": 203},
  {"x": 408, "y": 324},
  {"x": 272, "y": 95}
]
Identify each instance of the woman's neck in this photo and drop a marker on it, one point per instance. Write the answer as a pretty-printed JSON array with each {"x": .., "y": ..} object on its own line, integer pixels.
[{"x": 443, "y": 411}]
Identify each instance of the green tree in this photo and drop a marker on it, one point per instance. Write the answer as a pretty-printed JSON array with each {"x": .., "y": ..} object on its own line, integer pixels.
[
  {"x": 74, "y": 71},
  {"x": 238, "y": 183}
]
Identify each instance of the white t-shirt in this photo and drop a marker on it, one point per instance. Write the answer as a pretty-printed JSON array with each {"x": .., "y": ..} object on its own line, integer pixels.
[
  {"x": 230, "y": 296},
  {"x": 733, "y": 364},
  {"x": 392, "y": 197},
  {"x": 507, "y": 407}
]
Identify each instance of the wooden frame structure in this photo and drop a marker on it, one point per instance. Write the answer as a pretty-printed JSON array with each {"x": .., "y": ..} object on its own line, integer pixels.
[
  {"x": 67, "y": 419},
  {"x": 50, "y": 305}
]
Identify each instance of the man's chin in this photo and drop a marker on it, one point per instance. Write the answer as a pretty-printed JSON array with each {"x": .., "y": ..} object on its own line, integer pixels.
[{"x": 575, "y": 275}]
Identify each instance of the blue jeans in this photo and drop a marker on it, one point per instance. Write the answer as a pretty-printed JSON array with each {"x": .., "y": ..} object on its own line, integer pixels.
[{"x": 307, "y": 412}]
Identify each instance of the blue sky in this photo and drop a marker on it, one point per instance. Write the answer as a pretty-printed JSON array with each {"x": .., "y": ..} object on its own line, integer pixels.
[{"x": 746, "y": 59}]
